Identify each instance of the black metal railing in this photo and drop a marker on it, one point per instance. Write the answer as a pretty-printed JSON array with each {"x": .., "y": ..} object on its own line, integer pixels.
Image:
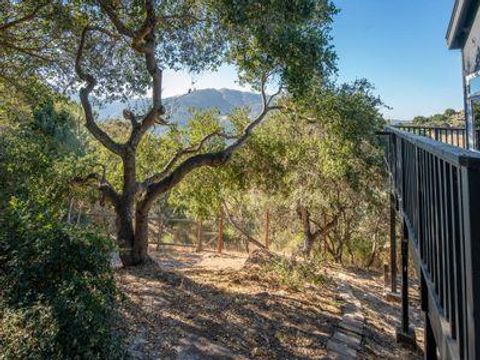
[
  {"x": 449, "y": 135},
  {"x": 437, "y": 187}
]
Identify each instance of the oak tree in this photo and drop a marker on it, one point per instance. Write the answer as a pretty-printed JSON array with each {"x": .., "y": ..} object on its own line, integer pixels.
[{"x": 121, "y": 48}]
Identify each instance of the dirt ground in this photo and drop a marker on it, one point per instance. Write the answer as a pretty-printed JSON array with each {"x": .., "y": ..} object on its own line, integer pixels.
[{"x": 185, "y": 305}]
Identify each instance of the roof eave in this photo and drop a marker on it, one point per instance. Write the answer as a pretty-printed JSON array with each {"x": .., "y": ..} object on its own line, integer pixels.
[{"x": 457, "y": 25}]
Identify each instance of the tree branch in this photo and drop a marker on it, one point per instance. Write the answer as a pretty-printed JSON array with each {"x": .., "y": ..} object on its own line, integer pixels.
[
  {"x": 103, "y": 185},
  {"x": 190, "y": 150},
  {"x": 144, "y": 41},
  {"x": 119, "y": 25},
  {"x": 213, "y": 159},
  {"x": 91, "y": 125},
  {"x": 240, "y": 229},
  {"x": 323, "y": 230},
  {"x": 130, "y": 116},
  {"x": 266, "y": 108},
  {"x": 29, "y": 52},
  {"x": 27, "y": 17},
  {"x": 280, "y": 88}
]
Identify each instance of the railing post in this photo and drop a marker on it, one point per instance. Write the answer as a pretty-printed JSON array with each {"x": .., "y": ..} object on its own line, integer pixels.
[
  {"x": 393, "y": 295},
  {"x": 405, "y": 334},
  {"x": 404, "y": 250},
  {"x": 471, "y": 212},
  {"x": 393, "y": 242},
  {"x": 429, "y": 340}
]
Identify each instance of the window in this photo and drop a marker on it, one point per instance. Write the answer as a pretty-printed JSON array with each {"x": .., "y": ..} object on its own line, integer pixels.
[{"x": 473, "y": 107}]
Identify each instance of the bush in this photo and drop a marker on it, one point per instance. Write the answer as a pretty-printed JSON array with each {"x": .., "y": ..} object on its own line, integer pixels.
[
  {"x": 295, "y": 275},
  {"x": 57, "y": 292}
]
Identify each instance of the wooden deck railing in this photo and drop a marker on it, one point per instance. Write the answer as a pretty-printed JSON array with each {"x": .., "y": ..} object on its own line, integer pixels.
[{"x": 437, "y": 191}]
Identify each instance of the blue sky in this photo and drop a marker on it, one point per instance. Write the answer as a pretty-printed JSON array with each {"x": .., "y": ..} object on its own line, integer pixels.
[{"x": 398, "y": 45}]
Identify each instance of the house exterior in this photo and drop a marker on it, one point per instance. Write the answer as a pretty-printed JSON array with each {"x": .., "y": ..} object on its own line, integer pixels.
[{"x": 464, "y": 34}]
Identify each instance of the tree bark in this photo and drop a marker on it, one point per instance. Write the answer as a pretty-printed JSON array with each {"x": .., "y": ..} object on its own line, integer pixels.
[
  {"x": 126, "y": 236},
  {"x": 140, "y": 244},
  {"x": 132, "y": 233},
  {"x": 70, "y": 210},
  {"x": 308, "y": 237}
]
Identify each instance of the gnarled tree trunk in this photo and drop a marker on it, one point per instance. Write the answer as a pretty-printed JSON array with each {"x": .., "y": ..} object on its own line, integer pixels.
[
  {"x": 308, "y": 236},
  {"x": 135, "y": 199},
  {"x": 132, "y": 236}
]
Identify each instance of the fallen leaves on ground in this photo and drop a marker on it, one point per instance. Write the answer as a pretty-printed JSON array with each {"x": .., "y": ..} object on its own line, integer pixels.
[{"x": 174, "y": 298}]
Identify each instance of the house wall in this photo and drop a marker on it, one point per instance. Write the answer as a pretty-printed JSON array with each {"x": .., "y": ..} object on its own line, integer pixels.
[{"x": 471, "y": 50}]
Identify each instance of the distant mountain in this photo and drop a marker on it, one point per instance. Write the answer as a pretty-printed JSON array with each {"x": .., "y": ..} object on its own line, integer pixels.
[{"x": 178, "y": 107}]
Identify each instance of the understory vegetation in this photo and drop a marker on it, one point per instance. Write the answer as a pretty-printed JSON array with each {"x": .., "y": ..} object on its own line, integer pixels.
[
  {"x": 57, "y": 292},
  {"x": 295, "y": 275}
]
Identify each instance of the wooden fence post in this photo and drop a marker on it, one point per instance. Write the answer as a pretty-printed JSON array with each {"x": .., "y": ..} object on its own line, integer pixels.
[
  {"x": 177, "y": 235},
  {"x": 267, "y": 228},
  {"x": 199, "y": 236},
  {"x": 325, "y": 236},
  {"x": 220, "y": 231},
  {"x": 385, "y": 274}
]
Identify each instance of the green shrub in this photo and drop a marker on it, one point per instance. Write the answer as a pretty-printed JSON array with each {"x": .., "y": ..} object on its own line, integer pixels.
[
  {"x": 57, "y": 292},
  {"x": 27, "y": 332},
  {"x": 295, "y": 275}
]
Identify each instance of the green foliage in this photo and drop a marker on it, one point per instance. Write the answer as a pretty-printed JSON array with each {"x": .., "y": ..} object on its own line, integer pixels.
[
  {"x": 450, "y": 118},
  {"x": 34, "y": 46},
  {"x": 323, "y": 154},
  {"x": 59, "y": 126},
  {"x": 57, "y": 288},
  {"x": 289, "y": 40},
  {"x": 295, "y": 275},
  {"x": 40, "y": 156}
]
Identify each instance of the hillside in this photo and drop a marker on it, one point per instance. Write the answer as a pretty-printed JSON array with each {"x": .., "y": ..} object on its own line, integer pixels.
[{"x": 179, "y": 107}]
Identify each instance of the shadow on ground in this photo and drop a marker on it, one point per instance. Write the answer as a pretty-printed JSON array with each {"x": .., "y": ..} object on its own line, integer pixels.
[{"x": 172, "y": 313}]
